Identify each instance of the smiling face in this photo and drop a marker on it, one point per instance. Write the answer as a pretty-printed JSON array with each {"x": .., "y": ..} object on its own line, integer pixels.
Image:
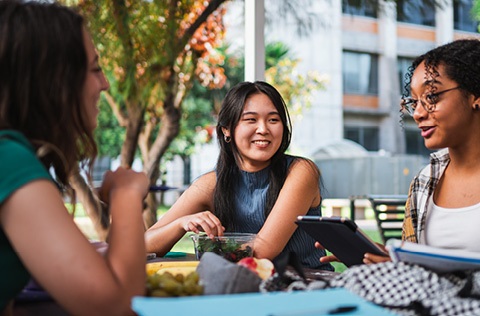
[
  {"x": 258, "y": 134},
  {"x": 452, "y": 123},
  {"x": 95, "y": 81}
]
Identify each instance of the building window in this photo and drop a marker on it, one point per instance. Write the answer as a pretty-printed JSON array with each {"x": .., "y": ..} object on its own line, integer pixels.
[
  {"x": 403, "y": 64},
  {"x": 360, "y": 73},
  {"x": 415, "y": 143},
  {"x": 365, "y": 136},
  {"x": 462, "y": 16},
  {"x": 416, "y": 12},
  {"x": 359, "y": 7}
]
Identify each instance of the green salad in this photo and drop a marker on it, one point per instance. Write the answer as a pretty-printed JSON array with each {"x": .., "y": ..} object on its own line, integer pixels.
[{"x": 228, "y": 248}]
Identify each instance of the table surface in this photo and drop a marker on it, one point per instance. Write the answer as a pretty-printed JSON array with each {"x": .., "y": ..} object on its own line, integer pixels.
[
  {"x": 298, "y": 303},
  {"x": 42, "y": 305}
]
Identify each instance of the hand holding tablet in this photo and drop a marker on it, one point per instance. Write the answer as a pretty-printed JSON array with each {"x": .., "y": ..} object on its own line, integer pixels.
[{"x": 340, "y": 236}]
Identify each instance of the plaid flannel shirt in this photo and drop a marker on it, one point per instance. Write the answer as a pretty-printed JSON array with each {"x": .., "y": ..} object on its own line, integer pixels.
[{"x": 421, "y": 189}]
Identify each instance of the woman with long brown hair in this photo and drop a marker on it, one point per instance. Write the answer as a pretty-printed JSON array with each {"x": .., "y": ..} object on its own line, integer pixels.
[{"x": 50, "y": 84}]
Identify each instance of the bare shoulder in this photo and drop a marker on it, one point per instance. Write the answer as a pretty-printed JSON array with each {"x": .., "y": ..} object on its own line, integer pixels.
[
  {"x": 304, "y": 167},
  {"x": 303, "y": 180},
  {"x": 209, "y": 178}
]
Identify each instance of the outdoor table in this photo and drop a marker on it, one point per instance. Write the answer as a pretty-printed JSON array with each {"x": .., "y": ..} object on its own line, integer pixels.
[
  {"x": 298, "y": 303},
  {"x": 41, "y": 304}
]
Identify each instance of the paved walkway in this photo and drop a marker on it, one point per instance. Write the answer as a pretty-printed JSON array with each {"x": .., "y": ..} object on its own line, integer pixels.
[{"x": 369, "y": 224}]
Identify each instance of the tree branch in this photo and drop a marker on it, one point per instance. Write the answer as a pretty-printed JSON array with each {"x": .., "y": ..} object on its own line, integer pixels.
[
  {"x": 122, "y": 120},
  {"x": 144, "y": 137},
  {"x": 212, "y": 6},
  {"x": 120, "y": 14}
]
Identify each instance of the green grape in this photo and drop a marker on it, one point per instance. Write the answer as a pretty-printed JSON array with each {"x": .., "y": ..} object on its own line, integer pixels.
[
  {"x": 168, "y": 285},
  {"x": 159, "y": 293},
  {"x": 180, "y": 277}
]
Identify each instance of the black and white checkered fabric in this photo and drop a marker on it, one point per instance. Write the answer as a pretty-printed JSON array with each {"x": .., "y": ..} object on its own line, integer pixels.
[
  {"x": 403, "y": 288},
  {"x": 413, "y": 290}
]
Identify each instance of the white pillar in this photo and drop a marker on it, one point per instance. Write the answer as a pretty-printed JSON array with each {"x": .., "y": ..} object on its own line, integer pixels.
[
  {"x": 254, "y": 40},
  {"x": 391, "y": 135},
  {"x": 387, "y": 34},
  {"x": 444, "y": 23}
]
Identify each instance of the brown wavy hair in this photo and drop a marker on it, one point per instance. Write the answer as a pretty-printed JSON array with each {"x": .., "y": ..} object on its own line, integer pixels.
[{"x": 43, "y": 65}]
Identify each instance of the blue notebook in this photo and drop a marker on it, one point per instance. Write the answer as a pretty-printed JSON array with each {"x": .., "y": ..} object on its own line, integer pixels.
[
  {"x": 302, "y": 303},
  {"x": 438, "y": 259}
]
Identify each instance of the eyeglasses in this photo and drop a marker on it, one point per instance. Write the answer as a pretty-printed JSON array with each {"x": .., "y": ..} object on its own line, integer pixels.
[{"x": 427, "y": 100}]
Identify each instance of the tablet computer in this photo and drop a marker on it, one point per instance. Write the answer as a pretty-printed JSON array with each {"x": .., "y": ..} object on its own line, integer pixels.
[{"x": 340, "y": 236}]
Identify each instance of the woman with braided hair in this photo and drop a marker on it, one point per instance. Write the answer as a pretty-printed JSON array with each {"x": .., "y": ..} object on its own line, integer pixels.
[{"x": 443, "y": 206}]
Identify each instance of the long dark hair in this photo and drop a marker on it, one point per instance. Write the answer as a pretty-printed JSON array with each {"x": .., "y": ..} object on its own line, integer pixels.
[
  {"x": 43, "y": 65},
  {"x": 461, "y": 59},
  {"x": 228, "y": 162}
]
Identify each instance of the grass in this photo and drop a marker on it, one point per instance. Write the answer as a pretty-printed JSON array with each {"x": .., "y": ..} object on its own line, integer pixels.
[{"x": 185, "y": 244}]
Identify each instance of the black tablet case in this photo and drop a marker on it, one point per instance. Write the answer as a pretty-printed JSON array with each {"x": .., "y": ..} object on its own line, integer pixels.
[{"x": 340, "y": 236}]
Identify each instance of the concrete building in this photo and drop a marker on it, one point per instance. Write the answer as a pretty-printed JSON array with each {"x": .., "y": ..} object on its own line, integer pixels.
[{"x": 365, "y": 53}]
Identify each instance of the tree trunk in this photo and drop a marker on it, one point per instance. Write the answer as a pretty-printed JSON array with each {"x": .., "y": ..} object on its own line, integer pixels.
[
  {"x": 150, "y": 212},
  {"x": 99, "y": 216},
  {"x": 169, "y": 129},
  {"x": 135, "y": 123}
]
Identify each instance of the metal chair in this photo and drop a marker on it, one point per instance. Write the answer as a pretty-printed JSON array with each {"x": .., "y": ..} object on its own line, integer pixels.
[{"x": 389, "y": 213}]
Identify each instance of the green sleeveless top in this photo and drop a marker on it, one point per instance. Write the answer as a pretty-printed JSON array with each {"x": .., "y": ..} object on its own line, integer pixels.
[{"x": 18, "y": 166}]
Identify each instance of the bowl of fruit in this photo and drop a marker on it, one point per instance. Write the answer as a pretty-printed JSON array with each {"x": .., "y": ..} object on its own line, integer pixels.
[{"x": 231, "y": 246}]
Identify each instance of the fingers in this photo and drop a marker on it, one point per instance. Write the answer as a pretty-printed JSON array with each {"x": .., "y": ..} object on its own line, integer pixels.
[
  {"x": 206, "y": 222},
  {"x": 123, "y": 178},
  {"x": 370, "y": 258},
  {"x": 327, "y": 259}
]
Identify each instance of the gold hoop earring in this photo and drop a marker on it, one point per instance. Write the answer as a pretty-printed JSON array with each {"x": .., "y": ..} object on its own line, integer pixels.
[{"x": 227, "y": 139}]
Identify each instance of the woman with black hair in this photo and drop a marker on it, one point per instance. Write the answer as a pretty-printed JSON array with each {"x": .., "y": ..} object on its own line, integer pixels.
[{"x": 255, "y": 188}]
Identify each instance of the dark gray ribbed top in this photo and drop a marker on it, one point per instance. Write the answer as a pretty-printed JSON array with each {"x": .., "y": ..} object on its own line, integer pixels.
[{"x": 250, "y": 199}]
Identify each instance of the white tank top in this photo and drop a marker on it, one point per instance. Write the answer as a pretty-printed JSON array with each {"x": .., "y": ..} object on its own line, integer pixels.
[{"x": 457, "y": 228}]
